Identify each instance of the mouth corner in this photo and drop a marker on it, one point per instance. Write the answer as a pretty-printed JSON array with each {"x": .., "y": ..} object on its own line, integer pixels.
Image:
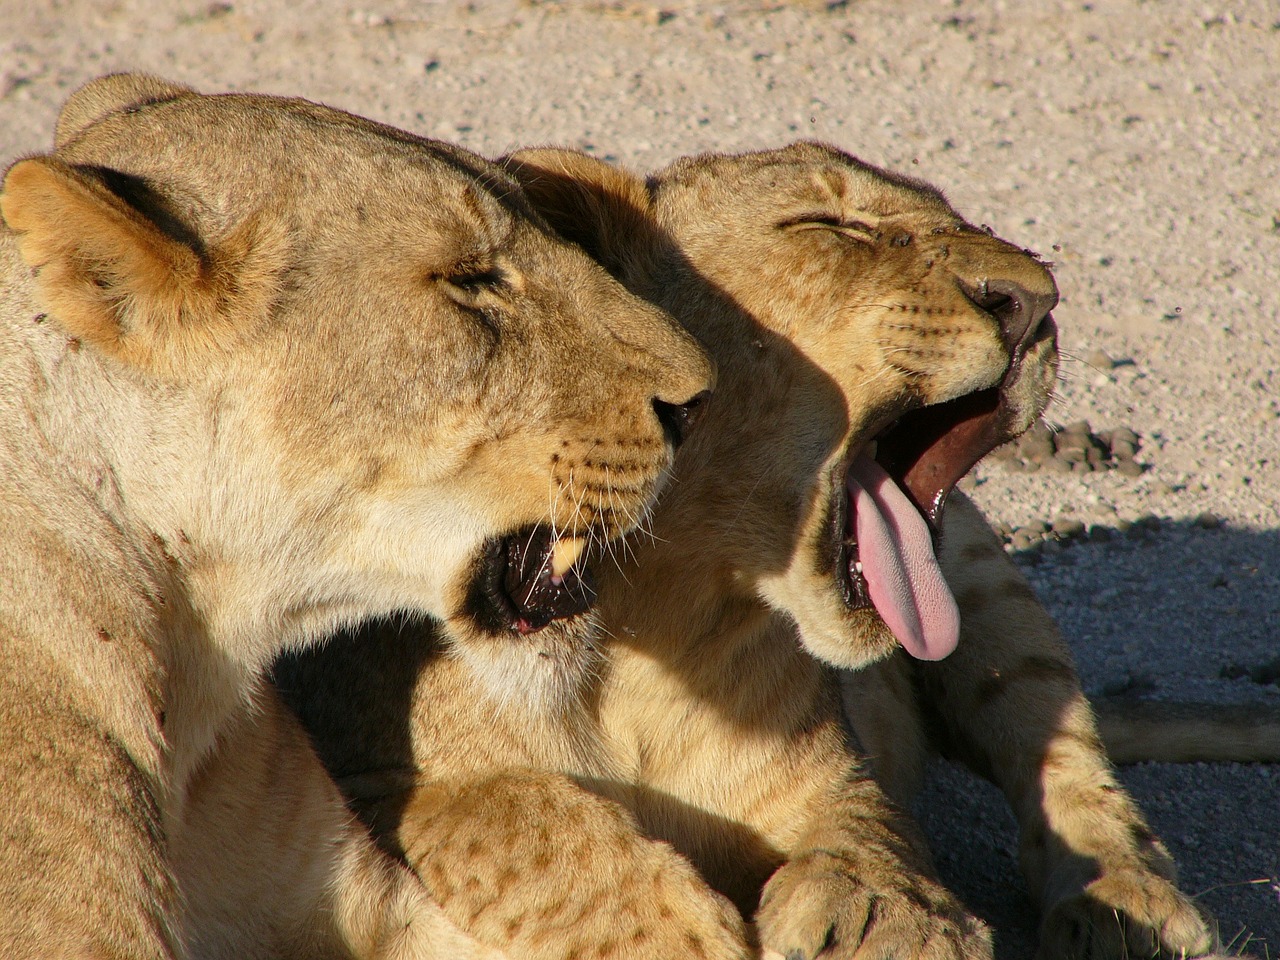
[{"x": 529, "y": 579}]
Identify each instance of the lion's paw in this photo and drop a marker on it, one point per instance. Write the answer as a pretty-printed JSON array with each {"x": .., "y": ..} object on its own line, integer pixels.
[
  {"x": 1126, "y": 913},
  {"x": 536, "y": 866},
  {"x": 817, "y": 906}
]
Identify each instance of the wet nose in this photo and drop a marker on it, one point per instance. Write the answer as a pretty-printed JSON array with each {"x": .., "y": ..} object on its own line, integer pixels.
[
  {"x": 677, "y": 419},
  {"x": 1019, "y": 311}
]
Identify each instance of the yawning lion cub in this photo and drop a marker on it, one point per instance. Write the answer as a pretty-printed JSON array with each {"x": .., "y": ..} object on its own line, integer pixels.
[
  {"x": 267, "y": 369},
  {"x": 714, "y": 238}
]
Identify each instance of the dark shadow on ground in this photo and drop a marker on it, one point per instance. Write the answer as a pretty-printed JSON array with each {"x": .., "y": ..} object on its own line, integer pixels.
[{"x": 1171, "y": 612}]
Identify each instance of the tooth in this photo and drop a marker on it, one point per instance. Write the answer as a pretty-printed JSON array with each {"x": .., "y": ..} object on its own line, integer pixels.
[
  {"x": 565, "y": 554},
  {"x": 857, "y": 565}
]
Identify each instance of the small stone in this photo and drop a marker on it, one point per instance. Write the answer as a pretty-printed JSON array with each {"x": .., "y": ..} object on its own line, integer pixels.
[
  {"x": 1123, "y": 450},
  {"x": 1130, "y": 468},
  {"x": 1068, "y": 528},
  {"x": 1100, "y": 360},
  {"x": 1022, "y": 540},
  {"x": 1082, "y": 466},
  {"x": 1125, "y": 435},
  {"x": 1072, "y": 454},
  {"x": 1058, "y": 466},
  {"x": 1208, "y": 520},
  {"x": 1079, "y": 428},
  {"x": 1037, "y": 449},
  {"x": 1100, "y": 534},
  {"x": 1051, "y": 547},
  {"x": 1070, "y": 441},
  {"x": 1148, "y": 521}
]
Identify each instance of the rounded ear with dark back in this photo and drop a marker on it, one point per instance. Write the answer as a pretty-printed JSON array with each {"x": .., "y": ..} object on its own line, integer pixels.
[
  {"x": 602, "y": 208},
  {"x": 119, "y": 272},
  {"x": 111, "y": 94}
]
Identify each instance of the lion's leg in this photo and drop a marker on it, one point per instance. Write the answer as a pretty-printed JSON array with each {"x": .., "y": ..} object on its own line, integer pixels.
[
  {"x": 1009, "y": 704},
  {"x": 536, "y": 865},
  {"x": 859, "y": 883},
  {"x": 271, "y": 864}
]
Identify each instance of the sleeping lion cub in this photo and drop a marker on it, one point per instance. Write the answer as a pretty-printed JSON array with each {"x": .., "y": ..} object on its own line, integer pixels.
[
  {"x": 871, "y": 347},
  {"x": 267, "y": 369}
]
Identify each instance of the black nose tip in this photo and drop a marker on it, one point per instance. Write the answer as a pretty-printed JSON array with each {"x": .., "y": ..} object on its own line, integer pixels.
[
  {"x": 677, "y": 419},
  {"x": 1018, "y": 310}
]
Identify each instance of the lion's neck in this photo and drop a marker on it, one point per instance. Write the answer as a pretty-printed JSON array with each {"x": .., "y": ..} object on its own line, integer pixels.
[{"x": 86, "y": 450}]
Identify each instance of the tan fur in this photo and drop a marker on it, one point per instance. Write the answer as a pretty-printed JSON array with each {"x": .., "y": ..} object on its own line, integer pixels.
[
  {"x": 1008, "y": 703},
  {"x": 267, "y": 369},
  {"x": 704, "y": 724},
  {"x": 1009, "y": 700}
]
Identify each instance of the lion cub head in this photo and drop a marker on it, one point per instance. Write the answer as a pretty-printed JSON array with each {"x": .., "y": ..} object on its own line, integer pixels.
[
  {"x": 333, "y": 369},
  {"x": 872, "y": 345}
]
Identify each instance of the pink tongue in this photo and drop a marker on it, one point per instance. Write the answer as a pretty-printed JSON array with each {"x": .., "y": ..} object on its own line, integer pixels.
[{"x": 902, "y": 574}]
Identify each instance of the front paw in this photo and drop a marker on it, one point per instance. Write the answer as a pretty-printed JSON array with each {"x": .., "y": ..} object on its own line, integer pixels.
[
  {"x": 822, "y": 905},
  {"x": 532, "y": 864},
  {"x": 1129, "y": 912}
]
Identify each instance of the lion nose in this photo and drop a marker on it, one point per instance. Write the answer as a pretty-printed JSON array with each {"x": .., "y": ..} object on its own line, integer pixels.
[
  {"x": 677, "y": 419},
  {"x": 1019, "y": 311}
]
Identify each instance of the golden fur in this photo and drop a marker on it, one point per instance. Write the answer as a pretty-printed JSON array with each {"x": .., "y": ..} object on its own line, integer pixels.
[
  {"x": 835, "y": 298},
  {"x": 267, "y": 369}
]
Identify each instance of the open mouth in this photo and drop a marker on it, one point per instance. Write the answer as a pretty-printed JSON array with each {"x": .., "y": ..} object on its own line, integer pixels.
[
  {"x": 529, "y": 578},
  {"x": 887, "y": 513}
]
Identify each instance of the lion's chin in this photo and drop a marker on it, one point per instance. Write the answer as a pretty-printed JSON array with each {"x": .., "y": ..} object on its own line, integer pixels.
[{"x": 851, "y": 639}]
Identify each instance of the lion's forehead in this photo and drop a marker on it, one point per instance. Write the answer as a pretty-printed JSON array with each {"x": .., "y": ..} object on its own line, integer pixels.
[{"x": 214, "y": 158}]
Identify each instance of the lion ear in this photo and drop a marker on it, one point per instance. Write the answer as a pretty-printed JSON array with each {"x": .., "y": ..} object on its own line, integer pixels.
[
  {"x": 604, "y": 209},
  {"x": 118, "y": 270},
  {"x": 111, "y": 94}
]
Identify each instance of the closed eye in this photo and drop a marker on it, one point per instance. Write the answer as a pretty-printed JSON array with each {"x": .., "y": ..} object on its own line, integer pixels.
[
  {"x": 471, "y": 287},
  {"x": 854, "y": 229},
  {"x": 473, "y": 281}
]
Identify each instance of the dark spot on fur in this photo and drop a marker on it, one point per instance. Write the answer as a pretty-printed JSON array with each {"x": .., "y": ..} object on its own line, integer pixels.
[{"x": 1033, "y": 669}]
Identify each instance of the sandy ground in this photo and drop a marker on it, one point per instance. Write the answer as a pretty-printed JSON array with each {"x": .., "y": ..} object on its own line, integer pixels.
[{"x": 1134, "y": 143}]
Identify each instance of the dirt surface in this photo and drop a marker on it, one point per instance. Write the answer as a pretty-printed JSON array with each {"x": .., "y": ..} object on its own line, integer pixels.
[{"x": 1133, "y": 143}]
